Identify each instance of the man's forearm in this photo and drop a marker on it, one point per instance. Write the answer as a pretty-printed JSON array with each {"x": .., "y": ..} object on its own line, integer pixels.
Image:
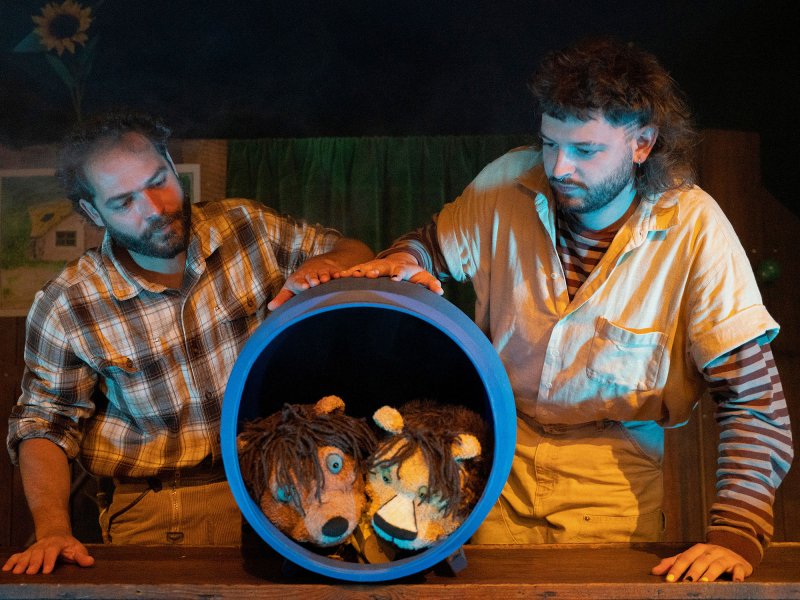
[
  {"x": 423, "y": 245},
  {"x": 45, "y": 473},
  {"x": 755, "y": 447},
  {"x": 348, "y": 252}
]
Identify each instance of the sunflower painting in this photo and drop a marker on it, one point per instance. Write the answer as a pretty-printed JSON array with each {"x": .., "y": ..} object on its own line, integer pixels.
[
  {"x": 62, "y": 35},
  {"x": 61, "y": 26}
]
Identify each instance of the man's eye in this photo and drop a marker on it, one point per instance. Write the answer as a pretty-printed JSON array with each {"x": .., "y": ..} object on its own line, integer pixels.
[{"x": 586, "y": 151}]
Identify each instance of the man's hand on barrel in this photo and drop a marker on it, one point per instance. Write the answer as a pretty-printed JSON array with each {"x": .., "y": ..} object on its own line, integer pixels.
[
  {"x": 400, "y": 266},
  {"x": 321, "y": 269}
]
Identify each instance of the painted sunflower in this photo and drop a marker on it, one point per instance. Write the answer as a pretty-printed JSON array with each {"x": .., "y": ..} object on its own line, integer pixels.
[{"x": 61, "y": 26}]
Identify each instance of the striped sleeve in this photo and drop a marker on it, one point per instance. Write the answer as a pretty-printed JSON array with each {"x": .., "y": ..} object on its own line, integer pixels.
[
  {"x": 422, "y": 244},
  {"x": 755, "y": 447}
]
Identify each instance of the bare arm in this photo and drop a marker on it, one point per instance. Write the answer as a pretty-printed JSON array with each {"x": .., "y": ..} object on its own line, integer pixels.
[
  {"x": 322, "y": 268},
  {"x": 46, "y": 480}
]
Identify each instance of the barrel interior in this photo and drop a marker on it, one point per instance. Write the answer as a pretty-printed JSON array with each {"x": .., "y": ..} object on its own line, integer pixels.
[{"x": 369, "y": 356}]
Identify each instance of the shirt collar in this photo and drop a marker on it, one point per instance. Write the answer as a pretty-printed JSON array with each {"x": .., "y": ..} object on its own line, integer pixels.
[
  {"x": 204, "y": 239},
  {"x": 654, "y": 213},
  {"x": 208, "y": 234},
  {"x": 124, "y": 285}
]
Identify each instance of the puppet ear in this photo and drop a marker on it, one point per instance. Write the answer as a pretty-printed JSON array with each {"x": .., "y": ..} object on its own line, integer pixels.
[
  {"x": 465, "y": 447},
  {"x": 328, "y": 405},
  {"x": 389, "y": 419}
]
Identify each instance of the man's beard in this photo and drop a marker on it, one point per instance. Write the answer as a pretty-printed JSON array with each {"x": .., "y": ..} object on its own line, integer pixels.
[
  {"x": 600, "y": 195},
  {"x": 146, "y": 245}
]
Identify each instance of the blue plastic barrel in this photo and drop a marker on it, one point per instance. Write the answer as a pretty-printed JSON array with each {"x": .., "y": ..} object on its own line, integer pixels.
[{"x": 374, "y": 342}]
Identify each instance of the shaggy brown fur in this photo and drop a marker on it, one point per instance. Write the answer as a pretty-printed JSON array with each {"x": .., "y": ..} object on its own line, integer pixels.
[
  {"x": 433, "y": 428},
  {"x": 285, "y": 444}
]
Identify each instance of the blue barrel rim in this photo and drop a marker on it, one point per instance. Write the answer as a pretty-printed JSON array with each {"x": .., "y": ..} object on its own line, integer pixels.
[{"x": 380, "y": 293}]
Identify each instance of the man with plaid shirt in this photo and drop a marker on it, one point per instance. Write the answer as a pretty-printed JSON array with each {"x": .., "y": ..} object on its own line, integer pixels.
[{"x": 128, "y": 350}]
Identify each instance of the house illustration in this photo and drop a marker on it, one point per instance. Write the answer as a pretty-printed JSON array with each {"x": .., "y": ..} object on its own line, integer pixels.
[{"x": 58, "y": 233}]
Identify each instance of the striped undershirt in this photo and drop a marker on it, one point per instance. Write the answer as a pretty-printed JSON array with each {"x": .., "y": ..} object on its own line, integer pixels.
[{"x": 744, "y": 383}]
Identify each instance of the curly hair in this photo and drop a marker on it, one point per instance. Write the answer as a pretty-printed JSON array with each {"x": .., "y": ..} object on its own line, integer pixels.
[
  {"x": 284, "y": 446},
  {"x": 626, "y": 85},
  {"x": 88, "y": 137}
]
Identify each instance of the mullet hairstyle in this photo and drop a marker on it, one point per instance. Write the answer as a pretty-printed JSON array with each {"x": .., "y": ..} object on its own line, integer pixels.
[
  {"x": 89, "y": 137},
  {"x": 626, "y": 85}
]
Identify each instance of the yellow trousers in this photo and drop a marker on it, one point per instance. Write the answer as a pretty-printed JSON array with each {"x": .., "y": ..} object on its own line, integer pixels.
[
  {"x": 597, "y": 482},
  {"x": 193, "y": 515}
]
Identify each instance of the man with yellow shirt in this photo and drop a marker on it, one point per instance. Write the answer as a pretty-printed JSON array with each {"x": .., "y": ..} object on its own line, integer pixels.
[{"x": 616, "y": 292}]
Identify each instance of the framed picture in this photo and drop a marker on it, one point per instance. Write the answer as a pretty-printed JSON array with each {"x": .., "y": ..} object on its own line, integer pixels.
[
  {"x": 189, "y": 174},
  {"x": 40, "y": 232}
]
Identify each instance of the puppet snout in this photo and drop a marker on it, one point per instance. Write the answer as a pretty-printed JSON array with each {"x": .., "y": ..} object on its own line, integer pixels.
[
  {"x": 397, "y": 518},
  {"x": 336, "y": 527}
]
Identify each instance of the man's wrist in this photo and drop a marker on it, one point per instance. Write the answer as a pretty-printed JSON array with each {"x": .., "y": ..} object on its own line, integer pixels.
[{"x": 402, "y": 253}]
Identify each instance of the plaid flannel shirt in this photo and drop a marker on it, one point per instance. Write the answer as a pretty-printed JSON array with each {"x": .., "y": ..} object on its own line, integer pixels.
[{"x": 130, "y": 375}]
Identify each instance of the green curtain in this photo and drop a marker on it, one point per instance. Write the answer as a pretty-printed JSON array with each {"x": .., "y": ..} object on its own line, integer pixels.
[{"x": 370, "y": 188}]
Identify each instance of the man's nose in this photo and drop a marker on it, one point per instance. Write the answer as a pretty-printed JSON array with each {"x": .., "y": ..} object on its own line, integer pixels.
[
  {"x": 563, "y": 167},
  {"x": 151, "y": 203}
]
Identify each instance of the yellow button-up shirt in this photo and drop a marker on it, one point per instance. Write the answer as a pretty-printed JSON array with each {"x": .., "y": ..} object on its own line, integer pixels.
[{"x": 673, "y": 292}]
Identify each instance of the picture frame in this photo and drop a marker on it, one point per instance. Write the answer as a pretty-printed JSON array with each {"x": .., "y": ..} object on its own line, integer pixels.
[{"x": 40, "y": 232}]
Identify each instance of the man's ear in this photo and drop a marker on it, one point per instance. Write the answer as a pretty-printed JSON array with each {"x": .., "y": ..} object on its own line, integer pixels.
[
  {"x": 91, "y": 212},
  {"x": 644, "y": 141},
  {"x": 171, "y": 162}
]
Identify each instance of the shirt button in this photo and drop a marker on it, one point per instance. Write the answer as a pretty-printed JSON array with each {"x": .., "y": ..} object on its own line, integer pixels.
[
  {"x": 553, "y": 275},
  {"x": 548, "y": 385},
  {"x": 555, "y": 354}
]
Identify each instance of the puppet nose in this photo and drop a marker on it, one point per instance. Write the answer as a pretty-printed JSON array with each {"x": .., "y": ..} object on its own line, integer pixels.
[{"x": 335, "y": 527}]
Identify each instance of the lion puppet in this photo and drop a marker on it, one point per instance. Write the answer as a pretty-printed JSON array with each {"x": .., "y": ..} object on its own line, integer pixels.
[
  {"x": 305, "y": 466},
  {"x": 427, "y": 474}
]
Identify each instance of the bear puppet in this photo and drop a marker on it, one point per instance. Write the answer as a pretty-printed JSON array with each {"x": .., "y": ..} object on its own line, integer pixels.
[{"x": 305, "y": 466}]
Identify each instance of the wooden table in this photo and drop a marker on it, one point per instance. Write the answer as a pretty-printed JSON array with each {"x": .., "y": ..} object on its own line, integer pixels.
[{"x": 493, "y": 572}]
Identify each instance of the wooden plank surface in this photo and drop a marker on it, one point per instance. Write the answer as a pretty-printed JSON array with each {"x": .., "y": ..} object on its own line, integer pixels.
[{"x": 565, "y": 571}]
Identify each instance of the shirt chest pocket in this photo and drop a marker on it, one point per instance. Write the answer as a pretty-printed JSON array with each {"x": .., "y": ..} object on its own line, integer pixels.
[
  {"x": 625, "y": 358},
  {"x": 138, "y": 384},
  {"x": 243, "y": 312}
]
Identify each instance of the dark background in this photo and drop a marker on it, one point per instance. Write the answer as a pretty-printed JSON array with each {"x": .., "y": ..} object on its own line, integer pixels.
[{"x": 308, "y": 68}]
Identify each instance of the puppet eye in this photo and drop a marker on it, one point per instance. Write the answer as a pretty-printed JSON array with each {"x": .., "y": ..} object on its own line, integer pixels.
[
  {"x": 422, "y": 493},
  {"x": 283, "y": 494},
  {"x": 334, "y": 463},
  {"x": 386, "y": 475}
]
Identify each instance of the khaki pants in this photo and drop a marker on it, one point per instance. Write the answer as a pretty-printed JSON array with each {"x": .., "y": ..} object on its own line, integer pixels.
[
  {"x": 194, "y": 515},
  {"x": 598, "y": 482}
]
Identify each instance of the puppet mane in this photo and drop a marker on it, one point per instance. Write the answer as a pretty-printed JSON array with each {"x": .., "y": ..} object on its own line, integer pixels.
[
  {"x": 292, "y": 437},
  {"x": 426, "y": 430}
]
